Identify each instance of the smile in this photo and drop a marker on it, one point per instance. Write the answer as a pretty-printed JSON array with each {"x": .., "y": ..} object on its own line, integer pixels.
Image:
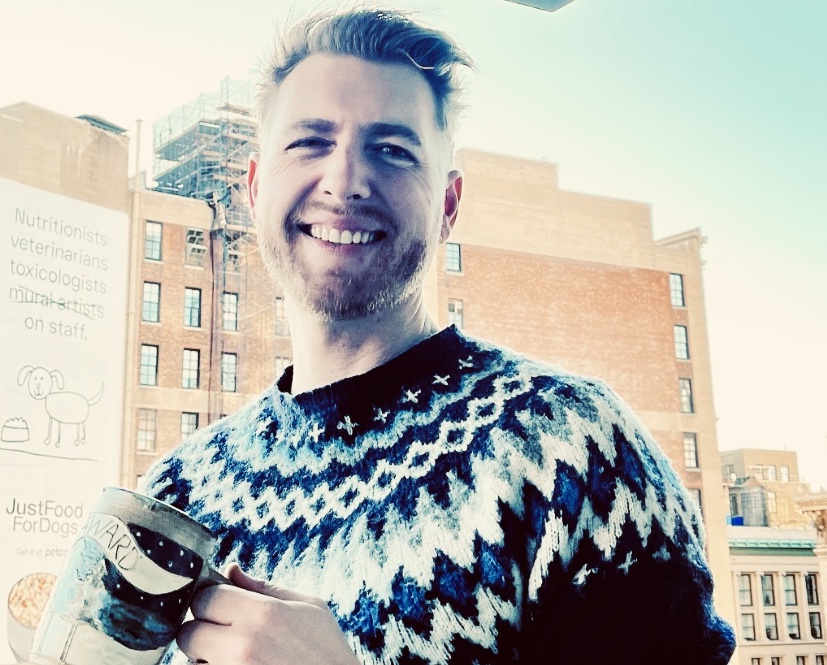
[{"x": 345, "y": 237}]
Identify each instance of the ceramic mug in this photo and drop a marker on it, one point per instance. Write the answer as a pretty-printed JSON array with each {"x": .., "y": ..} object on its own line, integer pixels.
[{"x": 126, "y": 584}]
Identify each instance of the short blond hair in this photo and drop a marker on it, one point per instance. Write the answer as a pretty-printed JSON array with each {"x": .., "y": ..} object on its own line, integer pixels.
[{"x": 376, "y": 35}]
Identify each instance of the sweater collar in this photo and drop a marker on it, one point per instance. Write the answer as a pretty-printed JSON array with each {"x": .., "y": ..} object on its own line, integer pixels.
[{"x": 434, "y": 355}]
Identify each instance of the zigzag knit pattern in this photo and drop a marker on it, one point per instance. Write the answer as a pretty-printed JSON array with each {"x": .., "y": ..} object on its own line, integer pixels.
[{"x": 460, "y": 504}]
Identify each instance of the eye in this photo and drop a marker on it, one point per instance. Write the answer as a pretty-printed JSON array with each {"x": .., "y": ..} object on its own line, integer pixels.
[
  {"x": 309, "y": 144},
  {"x": 395, "y": 154}
]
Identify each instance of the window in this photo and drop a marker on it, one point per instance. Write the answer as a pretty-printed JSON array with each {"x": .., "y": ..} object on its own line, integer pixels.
[
  {"x": 815, "y": 625},
  {"x": 147, "y": 428},
  {"x": 785, "y": 473},
  {"x": 772, "y": 503},
  {"x": 767, "y": 590},
  {"x": 771, "y": 472},
  {"x": 676, "y": 290},
  {"x": 196, "y": 248},
  {"x": 690, "y": 450},
  {"x": 744, "y": 590},
  {"x": 819, "y": 659},
  {"x": 281, "y": 318},
  {"x": 233, "y": 258},
  {"x": 189, "y": 423},
  {"x": 229, "y": 311},
  {"x": 151, "y": 302},
  {"x": 748, "y": 627},
  {"x": 687, "y": 403},
  {"x": 455, "y": 313},
  {"x": 229, "y": 372},
  {"x": 789, "y": 590},
  {"x": 775, "y": 660},
  {"x": 754, "y": 661},
  {"x": 149, "y": 365},
  {"x": 800, "y": 660},
  {"x": 191, "y": 368},
  {"x": 811, "y": 586},
  {"x": 771, "y": 625},
  {"x": 192, "y": 308},
  {"x": 282, "y": 363},
  {"x": 681, "y": 343},
  {"x": 793, "y": 629},
  {"x": 453, "y": 257},
  {"x": 152, "y": 241}
]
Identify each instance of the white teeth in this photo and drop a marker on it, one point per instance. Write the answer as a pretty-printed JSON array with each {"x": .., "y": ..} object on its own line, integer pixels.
[{"x": 345, "y": 237}]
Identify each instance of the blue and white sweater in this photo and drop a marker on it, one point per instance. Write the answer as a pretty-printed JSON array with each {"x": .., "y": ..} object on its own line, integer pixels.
[{"x": 460, "y": 504}]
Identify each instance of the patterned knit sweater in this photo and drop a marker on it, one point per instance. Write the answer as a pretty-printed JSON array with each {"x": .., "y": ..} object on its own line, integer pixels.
[{"x": 460, "y": 504}]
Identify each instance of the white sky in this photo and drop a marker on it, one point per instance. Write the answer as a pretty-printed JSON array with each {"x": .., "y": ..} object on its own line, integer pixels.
[{"x": 714, "y": 112}]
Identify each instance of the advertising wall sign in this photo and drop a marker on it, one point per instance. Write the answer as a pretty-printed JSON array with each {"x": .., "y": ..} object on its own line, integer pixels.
[{"x": 63, "y": 295}]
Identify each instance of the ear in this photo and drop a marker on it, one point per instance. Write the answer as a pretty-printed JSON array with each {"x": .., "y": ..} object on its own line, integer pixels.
[
  {"x": 453, "y": 193},
  {"x": 57, "y": 377},
  {"x": 252, "y": 181},
  {"x": 23, "y": 375}
]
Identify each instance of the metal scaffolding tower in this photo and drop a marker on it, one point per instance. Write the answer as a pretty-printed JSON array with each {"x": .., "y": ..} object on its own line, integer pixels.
[{"x": 201, "y": 151}]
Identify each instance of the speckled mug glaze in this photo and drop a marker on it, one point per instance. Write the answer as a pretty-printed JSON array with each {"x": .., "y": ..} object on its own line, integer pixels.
[{"x": 126, "y": 584}]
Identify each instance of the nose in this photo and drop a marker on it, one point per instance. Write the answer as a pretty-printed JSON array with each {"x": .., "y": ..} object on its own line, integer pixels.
[{"x": 346, "y": 175}]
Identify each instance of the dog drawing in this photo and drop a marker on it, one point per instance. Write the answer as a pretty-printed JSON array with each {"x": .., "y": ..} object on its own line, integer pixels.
[{"x": 62, "y": 407}]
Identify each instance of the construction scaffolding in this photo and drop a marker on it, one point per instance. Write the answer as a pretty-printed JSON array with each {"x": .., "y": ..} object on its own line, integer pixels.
[
  {"x": 202, "y": 151},
  {"x": 202, "y": 148}
]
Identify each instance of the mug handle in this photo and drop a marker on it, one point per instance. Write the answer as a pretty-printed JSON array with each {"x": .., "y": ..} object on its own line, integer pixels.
[{"x": 213, "y": 577}]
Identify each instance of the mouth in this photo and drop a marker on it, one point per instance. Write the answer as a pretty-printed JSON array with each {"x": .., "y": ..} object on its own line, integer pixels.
[{"x": 342, "y": 236}]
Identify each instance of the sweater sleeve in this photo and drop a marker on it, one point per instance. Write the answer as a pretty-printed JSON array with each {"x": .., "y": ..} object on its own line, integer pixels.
[{"x": 619, "y": 572}]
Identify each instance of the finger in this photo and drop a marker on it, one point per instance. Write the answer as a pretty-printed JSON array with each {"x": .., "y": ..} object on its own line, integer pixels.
[
  {"x": 200, "y": 640},
  {"x": 217, "y": 604},
  {"x": 248, "y": 583}
]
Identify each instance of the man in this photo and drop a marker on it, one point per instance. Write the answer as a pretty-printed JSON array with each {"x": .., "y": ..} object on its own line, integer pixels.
[{"x": 403, "y": 494}]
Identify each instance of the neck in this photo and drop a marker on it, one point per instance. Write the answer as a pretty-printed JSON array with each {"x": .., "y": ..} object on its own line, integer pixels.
[{"x": 327, "y": 351}]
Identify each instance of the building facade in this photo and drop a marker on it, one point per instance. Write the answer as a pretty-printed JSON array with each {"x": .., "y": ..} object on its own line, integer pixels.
[
  {"x": 780, "y": 596},
  {"x": 577, "y": 280},
  {"x": 763, "y": 486}
]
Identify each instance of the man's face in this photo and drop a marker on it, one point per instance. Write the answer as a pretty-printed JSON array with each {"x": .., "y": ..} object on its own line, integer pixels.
[{"x": 351, "y": 193}]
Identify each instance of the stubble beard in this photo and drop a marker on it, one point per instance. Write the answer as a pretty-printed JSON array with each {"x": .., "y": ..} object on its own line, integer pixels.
[{"x": 394, "y": 278}]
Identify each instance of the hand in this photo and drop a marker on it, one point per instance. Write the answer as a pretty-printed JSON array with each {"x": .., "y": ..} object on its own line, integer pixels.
[{"x": 251, "y": 622}]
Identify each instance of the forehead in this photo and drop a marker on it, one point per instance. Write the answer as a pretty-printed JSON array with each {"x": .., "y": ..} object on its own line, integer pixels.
[{"x": 346, "y": 89}]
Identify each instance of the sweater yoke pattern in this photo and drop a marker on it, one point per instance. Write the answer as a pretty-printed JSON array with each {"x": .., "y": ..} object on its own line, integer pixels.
[{"x": 440, "y": 503}]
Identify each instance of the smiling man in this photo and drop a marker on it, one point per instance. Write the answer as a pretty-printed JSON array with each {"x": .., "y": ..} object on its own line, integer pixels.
[{"x": 404, "y": 494}]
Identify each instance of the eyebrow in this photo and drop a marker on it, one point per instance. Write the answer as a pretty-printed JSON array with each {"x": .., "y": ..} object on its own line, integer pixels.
[
  {"x": 388, "y": 129},
  {"x": 375, "y": 130}
]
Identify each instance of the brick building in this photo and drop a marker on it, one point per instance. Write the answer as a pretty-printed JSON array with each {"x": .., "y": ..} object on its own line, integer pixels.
[{"x": 577, "y": 280}]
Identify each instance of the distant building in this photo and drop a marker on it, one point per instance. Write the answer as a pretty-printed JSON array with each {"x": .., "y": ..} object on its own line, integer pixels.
[
  {"x": 763, "y": 486},
  {"x": 780, "y": 603}
]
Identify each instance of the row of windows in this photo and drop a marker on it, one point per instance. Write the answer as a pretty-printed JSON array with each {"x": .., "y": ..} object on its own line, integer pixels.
[
  {"x": 789, "y": 582},
  {"x": 793, "y": 626},
  {"x": 148, "y": 428},
  {"x": 190, "y": 368},
  {"x": 453, "y": 263},
  {"x": 151, "y": 309},
  {"x": 779, "y": 660},
  {"x": 195, "y": 248}
]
